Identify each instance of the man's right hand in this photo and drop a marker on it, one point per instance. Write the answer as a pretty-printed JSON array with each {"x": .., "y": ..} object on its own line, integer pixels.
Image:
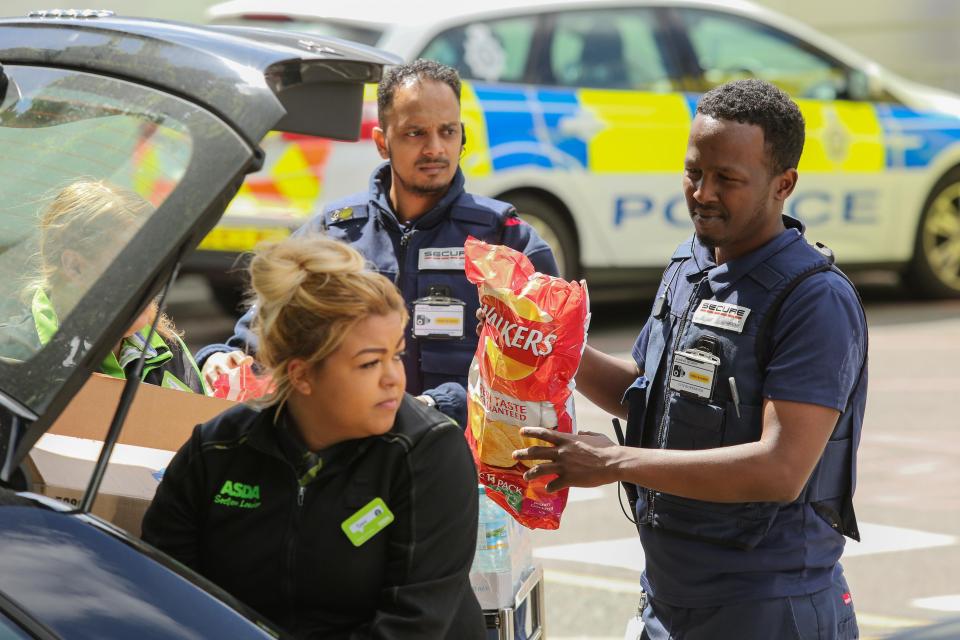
[
  {"x": 223, "y": 362},
  {"x": 583, "y": 459}
]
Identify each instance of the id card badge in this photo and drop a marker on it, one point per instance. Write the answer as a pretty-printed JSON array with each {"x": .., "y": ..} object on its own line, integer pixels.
[
  {"x": 438, "y": 317},
  {"x": 368, "y": 521},
  {"x": 694, "y": 373}
]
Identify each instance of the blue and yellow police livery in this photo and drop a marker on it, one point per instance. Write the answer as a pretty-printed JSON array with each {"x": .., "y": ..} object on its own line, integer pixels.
[{"x": 578, "y": 113}]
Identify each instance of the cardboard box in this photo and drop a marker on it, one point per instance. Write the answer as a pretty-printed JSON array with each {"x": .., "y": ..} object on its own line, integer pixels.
[{"x": 160, "y": 420}]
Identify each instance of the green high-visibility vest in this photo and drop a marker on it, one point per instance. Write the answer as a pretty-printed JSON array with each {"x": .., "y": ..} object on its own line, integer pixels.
[{"x": 158, "y": 351}]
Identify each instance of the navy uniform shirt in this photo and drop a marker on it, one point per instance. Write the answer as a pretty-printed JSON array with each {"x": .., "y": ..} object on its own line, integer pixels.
[{"x": 817, "y": 349}]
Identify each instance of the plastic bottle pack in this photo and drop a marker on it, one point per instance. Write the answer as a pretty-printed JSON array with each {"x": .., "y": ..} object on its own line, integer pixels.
[{"x": 493, "y": 541}]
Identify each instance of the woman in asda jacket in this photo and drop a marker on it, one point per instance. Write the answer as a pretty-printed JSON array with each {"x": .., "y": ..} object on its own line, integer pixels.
[
  {"x": 77, "y": 236},
  {"x": 341, "y": 507}
]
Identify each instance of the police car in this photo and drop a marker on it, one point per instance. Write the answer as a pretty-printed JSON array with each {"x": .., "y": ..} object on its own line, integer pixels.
[{"x": 578, "y": 111}]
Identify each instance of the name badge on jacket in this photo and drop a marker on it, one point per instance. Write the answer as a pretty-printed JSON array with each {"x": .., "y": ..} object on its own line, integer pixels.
[
  {"x": 440, "y": 259},
  {"x": 721, "y": 315}
]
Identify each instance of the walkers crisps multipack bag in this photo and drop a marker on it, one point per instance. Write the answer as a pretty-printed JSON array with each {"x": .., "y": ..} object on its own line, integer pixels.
[{"x": 533, "y": 332}]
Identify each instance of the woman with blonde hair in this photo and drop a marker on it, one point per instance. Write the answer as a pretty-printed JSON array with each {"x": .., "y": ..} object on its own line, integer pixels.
[
  {"x": 80, "y": 234},
  {"x": 339, "y": 507}
]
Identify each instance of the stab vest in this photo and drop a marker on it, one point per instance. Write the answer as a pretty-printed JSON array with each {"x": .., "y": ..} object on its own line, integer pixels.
[{"x": 692, "y": 423}]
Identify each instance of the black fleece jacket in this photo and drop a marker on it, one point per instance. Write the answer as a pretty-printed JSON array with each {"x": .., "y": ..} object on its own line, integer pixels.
[{"x": 231, "y": 507}]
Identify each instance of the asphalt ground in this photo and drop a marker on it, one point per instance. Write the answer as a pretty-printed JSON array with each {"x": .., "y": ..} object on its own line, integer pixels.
[{"x": 906, "y": 571}]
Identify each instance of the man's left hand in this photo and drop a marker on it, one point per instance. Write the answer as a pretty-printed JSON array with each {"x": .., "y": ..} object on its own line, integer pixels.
[{"x": 585, "y": 459}]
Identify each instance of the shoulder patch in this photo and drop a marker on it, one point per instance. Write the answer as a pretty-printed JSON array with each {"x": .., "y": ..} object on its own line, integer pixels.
[
  {"x": 341, "y": 214},
  {"x": 345, "y": 209},
  {"x": 346, "y": 214}
]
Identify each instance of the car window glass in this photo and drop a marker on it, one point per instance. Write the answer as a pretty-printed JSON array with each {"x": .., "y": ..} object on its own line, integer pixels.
[
  {"x": 10, "y": 631},
  {"x": 84, "y": 162},
  {"x": 608, "y": 49},
  {"x": 729, "y": 48},
  {"x": 495, "y": 51}
]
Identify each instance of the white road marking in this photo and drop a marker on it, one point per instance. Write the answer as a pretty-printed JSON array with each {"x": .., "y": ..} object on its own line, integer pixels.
[
  {"x": 938, "y": 603},
  {"x": 591, "y": 582},
  {"x": 878, "y": 538},
  {"x": 626, "y": 553},
  {"x": 886, "y": 622},
  {"x": 919, "y": 468}
]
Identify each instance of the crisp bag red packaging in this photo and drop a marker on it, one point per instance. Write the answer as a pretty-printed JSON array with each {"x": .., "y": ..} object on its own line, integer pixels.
[
  {"x": 534, "y": 330},
  {"x": 241, "y": 384}
]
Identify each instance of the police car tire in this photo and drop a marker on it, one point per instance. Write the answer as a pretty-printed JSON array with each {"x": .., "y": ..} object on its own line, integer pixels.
[
  {"x": 539, "y": 214},
  {"x": 923, "y": 278}
]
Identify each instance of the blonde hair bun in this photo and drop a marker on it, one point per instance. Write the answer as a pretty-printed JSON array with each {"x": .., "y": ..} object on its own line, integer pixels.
[{"x": 309, "y": 293}]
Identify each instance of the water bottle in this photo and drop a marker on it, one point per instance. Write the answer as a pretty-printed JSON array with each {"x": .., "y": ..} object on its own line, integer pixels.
[{"x": 493, "y": 543}]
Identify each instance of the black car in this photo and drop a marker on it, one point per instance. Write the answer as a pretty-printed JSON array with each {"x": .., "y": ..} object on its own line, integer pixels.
[{"x": 172, "y": 114}]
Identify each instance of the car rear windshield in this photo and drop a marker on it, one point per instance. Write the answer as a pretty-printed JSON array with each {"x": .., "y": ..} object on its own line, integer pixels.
[{"x": 85, "y": 161}]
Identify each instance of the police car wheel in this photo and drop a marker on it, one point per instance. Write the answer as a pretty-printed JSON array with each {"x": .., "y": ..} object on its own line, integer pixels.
[
  {"x": 935, "y": 270},
  {"x": 553, "y": 228}
]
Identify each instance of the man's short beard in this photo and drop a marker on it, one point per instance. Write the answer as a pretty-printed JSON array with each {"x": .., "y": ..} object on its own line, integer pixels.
[
  {"x": 415, "y": 188},
  {"x": 420, "y": 190},
  {"x": 705, "y": 241}
]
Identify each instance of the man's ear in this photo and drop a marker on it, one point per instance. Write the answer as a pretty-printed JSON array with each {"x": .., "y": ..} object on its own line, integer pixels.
[
  {"x": 298, "y": 373},
  {"x": 380, "y": 139},
  {"x": 463, "y": 136},
  {"x": 785, "y": 183}
]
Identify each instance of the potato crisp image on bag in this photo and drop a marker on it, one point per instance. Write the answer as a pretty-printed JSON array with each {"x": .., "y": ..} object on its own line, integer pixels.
[{"x": 534, "y": 330}]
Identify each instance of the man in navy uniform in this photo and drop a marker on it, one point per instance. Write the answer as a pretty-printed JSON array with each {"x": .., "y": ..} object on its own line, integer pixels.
[
  {"x": 411, "y": 225},
  {"x": 744, "y": 402}
]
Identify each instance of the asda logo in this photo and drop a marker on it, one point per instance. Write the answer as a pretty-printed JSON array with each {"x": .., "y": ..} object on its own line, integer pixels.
[{"x": 238, "y": 494}]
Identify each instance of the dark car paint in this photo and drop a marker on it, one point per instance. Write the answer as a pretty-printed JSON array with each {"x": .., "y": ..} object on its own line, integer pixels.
[
  {"x": 247, "y": 76},
  {"x": 75, "y": 576}
]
